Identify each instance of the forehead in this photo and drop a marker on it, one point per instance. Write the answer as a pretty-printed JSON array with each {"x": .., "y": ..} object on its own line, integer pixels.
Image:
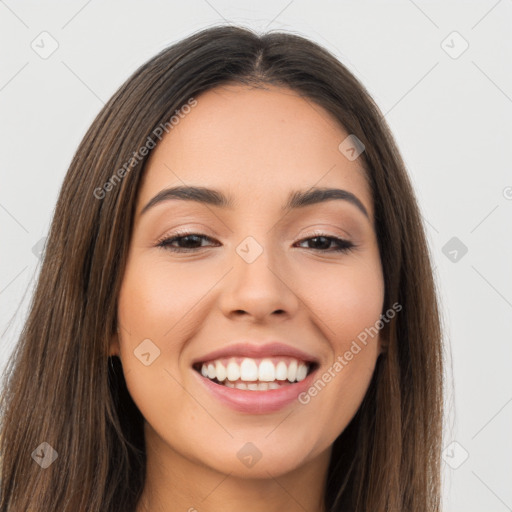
[{"x": 256, "y": 143}]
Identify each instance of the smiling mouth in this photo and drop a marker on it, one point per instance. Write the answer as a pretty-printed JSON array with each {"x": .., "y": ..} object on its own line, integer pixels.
[{"x": 255, "y": 374}]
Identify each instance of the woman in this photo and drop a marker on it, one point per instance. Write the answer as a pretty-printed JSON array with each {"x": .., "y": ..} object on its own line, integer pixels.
[{"x": 236, "y": 308}]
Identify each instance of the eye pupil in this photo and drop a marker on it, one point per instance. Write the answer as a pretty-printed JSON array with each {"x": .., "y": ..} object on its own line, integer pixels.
[
  {"x": 326, "y": 242},
  {"x": 196, "y": 239}
]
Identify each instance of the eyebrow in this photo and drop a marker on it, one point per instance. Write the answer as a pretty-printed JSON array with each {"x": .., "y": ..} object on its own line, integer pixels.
[{"x": 296, "y": 199}]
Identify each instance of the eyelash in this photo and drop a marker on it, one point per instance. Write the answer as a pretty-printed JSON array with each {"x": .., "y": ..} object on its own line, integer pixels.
[{"x": 344, "y": 246}]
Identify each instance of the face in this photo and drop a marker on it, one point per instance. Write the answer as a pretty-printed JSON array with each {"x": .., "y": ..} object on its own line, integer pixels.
[{"x": 255, "y": 291}]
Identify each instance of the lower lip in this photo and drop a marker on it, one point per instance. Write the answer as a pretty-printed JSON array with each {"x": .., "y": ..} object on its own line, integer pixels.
[{"x": 257, "y": 402}]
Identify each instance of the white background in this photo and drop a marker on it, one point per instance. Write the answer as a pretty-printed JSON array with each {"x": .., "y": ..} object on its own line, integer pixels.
[{"x": 451, "y": 118}]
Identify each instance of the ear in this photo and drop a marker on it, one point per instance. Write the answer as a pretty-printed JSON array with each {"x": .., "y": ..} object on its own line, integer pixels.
[
  {"x": 115, "y": 348},
  {"x": 383, "y": 340}
]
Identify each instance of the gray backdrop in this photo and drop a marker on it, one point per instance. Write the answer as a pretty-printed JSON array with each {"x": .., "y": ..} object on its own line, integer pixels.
[{"x": 440, "y": 71}]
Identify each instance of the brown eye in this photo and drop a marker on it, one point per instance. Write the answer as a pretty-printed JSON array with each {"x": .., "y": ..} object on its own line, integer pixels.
[
  {"x": 323, "y": 243},
  {"x": 185, "y": 242}
]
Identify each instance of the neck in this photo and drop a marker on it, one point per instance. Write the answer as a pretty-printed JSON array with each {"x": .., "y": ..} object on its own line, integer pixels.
[{"x": 173, "y": 482}]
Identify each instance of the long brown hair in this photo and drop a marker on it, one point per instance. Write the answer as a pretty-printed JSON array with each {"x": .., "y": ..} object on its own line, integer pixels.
[{"x": 62, "y": 388}]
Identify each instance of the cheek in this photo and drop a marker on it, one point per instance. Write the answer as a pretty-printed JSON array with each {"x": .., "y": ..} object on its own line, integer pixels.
[
  {"x": 151, "y": 310},
  {"x": 348, "y": 301},
  {"x": 156, "y": 299}
]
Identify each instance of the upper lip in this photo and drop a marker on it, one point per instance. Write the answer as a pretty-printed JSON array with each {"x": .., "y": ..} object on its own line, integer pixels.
[{"x": 272, "y": 349}]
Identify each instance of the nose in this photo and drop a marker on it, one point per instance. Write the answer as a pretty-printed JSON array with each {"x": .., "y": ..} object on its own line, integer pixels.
[{"x": 259, "y": 291}]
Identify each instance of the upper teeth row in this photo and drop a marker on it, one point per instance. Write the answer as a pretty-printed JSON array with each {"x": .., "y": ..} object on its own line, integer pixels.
[{"x": 248, "y": 370}]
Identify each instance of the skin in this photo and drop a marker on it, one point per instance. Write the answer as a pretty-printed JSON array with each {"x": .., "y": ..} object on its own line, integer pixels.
[{"x": 256, "y": 145}]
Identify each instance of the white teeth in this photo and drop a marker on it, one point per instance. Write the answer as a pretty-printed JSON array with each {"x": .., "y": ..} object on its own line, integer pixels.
[
  {"x": 248, "y": 370},
  {"x": 302, "y": 371},
  {"x": 281, "y": 371},
  {"x": 292, "y": 371},
  {"x": 220, "y": 371},
  {"x": 266, "y": 371},
  {"x": 253, "y": 386},
  {"x": 233, "y": 371}
]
